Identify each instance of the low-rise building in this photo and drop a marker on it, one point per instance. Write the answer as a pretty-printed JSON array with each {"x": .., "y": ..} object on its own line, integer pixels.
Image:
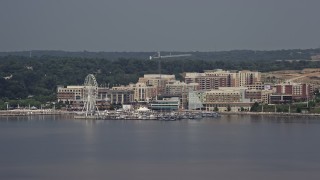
[
  {"x": 166, "y": 104},
  {"x": 223, "y": 99},
  {"x": 73, "y": 96},
  {"x": 70, "y": 94},
  {"x": 226, "y": 99},
  {"x": 298, "y": 91},
  {"x": 280, "y": 99},
  {"x": 260, "y": 96}
]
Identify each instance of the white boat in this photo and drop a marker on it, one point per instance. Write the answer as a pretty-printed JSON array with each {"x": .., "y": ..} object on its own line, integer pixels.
[{"x": 143, "y": 109}]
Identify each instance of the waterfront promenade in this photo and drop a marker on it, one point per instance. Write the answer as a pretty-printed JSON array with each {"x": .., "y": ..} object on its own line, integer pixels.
[
  {"x": 269, "y": 113},
  {"x": 27, "y": 112}
]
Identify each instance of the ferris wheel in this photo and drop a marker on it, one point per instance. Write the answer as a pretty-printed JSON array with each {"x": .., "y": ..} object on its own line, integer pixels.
[{"x": 90, "y": 93}]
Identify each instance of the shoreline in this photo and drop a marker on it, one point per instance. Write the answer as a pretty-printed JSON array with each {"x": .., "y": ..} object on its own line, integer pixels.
[
  {"x": 28, "y": 112},
  {"x": 269, "y": 113}
]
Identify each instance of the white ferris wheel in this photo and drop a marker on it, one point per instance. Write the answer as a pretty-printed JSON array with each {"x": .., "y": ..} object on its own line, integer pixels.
[{"x": 90, "y": 94}]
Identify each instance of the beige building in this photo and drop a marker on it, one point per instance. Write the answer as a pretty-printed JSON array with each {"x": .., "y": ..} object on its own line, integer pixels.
[
  {"x": 115, "y": 96},
  {"x": 257, "y": 95},
  {"x": 179, "y": 88},
  {"x": 144, "y": 92},
  {"x": 191, "y": 77},
  {"x": 148, "y": 86},
  {"x": 157, "y": 80},
  {"x": 258, "y": 86},
  {"x": 226, "y": 98},
  {"x": 124, "y": 88},
  {"x": 248, "y": 78},
  {"x": 73, "y": 96},
  {"x": 214, "y": 79},
  {"x": 70, "y": 94}
]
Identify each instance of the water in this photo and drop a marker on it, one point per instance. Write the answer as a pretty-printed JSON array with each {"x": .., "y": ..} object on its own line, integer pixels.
[{"x": 230, "y": 147}]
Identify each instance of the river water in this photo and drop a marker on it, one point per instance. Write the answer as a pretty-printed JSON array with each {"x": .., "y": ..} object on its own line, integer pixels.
[{"x": 225, "y": 148}]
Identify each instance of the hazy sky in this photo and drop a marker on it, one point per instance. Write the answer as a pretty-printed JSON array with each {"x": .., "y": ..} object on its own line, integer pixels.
[{"x": 152, "y": 25}]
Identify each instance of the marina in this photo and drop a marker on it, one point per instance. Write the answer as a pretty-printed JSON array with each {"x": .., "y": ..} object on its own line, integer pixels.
[{"x": 148, "y": 115}]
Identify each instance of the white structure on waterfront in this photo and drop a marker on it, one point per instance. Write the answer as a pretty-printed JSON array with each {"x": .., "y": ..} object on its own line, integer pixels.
[
  {"x": 90, "y": 93},
  {"x": 195, "y": 102}
]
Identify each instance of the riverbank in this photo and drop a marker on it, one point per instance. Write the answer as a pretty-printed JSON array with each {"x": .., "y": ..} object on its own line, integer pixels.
[
  {"x": 27, "y": 112},
  {"x": 269, "y": 113}
]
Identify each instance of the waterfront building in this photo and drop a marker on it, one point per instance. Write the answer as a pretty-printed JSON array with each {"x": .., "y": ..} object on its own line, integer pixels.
[
  {"x": 166, "y": 104},
  {"x": 227, "y": 99},
  {"x": 73, "y": 96},
  {"x": 144, "y": 92},
  {"x": 228, "y": 78},
  {"x": 223, "y": 99},
  {"x": 179, "y": 88},
  {"x": 214, "y": 79},
  {"x": 154, "y": 79},
  {"x": 256, "y": 95},
  {"x": 69, "y": 94},
  {"x": 248, "y": 78},
  {"x": 191, "y": 77},
  {"x": 129, "y": 87},
  {"x": 212, "y": 89},
  {"x": 195, "y": 100},
  {"x": 157, "y": 80},
  {"x": 258, "y": 86},
  {"x": 211, "y": 79},
  {"x": 280, "y": 99},
  {"x": 298, "y": 91},
  {"x": 116, "y": 96},
  {"x": 212, "y": 82}
]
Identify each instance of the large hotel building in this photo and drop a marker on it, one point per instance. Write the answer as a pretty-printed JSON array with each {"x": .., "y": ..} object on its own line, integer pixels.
[{"x": 220, "y": 78}]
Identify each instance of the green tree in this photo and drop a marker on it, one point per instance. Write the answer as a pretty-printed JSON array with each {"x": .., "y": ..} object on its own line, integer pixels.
[
  {"x": 298, "y": 110},
  {"x": 312, "y": 104},
  {"x": 255, "y": 107},
  {"x": 229, "y": 108}
]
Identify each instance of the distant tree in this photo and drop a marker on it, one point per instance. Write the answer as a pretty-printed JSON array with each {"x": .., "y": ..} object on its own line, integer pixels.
[
  {"x": 255, "y": 107},
  {"x": 216, "y": 108},
  {"x": 298, "y": 110},
  {"x": 229, "y": 108},
  {"x": 312, "y": 104}
]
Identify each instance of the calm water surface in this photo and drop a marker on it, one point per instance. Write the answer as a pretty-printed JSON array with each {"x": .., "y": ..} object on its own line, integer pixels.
[{"x": 230, "y": 147}]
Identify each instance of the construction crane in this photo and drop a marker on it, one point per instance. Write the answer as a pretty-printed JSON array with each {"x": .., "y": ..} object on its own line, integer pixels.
[{"x": 158, "y": 56}]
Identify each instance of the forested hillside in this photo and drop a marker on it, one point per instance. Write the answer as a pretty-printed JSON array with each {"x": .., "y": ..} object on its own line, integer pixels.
[
  {"x": 241, "y": 55},
  {"x": 22, "y": 76}
]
